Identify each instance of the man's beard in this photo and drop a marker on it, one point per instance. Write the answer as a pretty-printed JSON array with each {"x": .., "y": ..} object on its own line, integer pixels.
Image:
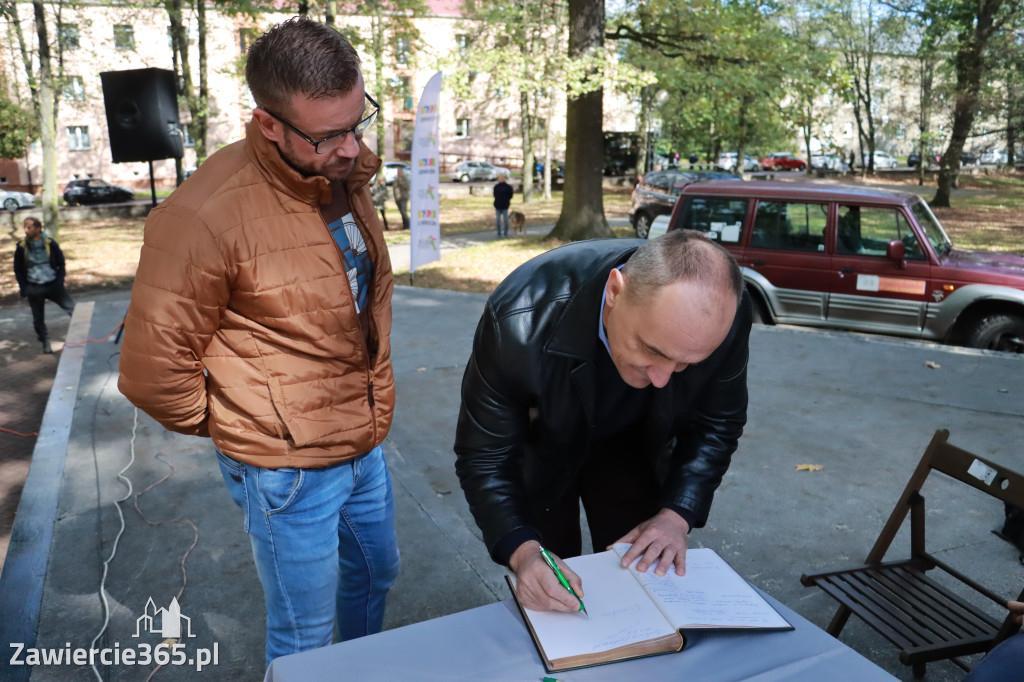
[{"x": 337, "y": 171}]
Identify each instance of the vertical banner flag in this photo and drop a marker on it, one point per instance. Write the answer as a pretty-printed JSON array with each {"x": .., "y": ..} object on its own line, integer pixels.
[{"x": 425, "y": 221}]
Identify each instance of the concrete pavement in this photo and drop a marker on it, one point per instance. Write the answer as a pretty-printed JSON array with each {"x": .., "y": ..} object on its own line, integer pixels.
[{"x": 862, "y": 407}]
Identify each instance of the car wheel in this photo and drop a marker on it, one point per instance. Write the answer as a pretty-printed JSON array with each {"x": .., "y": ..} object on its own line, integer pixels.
[
  {"x": 463, "y": 178},
  {"x": 1002, "y": 331},
  {"x": 11, "y": 205},
  {"x": 643, "y": 225},
  {"x": 802, "y": 167}
]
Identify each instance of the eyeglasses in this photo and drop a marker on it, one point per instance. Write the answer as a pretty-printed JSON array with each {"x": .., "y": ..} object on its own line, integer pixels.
[{"x": 329, "y": 144}]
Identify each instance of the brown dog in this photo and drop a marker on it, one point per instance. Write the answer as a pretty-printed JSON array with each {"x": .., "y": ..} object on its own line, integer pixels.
[{"x": 517, "y": 222}]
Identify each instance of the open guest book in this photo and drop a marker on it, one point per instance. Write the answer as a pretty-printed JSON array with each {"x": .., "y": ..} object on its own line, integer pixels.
[{"x": 633, "y": 614}]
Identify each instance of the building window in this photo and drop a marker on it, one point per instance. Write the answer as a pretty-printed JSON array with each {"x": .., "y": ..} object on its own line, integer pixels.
[
  {"x": 67, "y": 34},
  {"x": 78, "y": 138},
  {"x": 501, "y": 128},
  {"x": 124, "y": 37},
  {"x": 462, "y": 128},
  {"x": 541, "y": 126},
  {"x": 462, "y": 43},
  {"x": 499, "y": 92},
  {"x": 402, "y": 51},
  {"x": 901, "y": 132},
  {"x": 74, "y": 90}
]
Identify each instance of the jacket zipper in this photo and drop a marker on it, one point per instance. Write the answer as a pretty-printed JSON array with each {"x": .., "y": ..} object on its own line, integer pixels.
[{"x": 369, "y": 394}]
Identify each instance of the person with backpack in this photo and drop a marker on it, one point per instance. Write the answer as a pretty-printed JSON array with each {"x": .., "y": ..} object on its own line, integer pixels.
[{"x": 39, "y": 269}]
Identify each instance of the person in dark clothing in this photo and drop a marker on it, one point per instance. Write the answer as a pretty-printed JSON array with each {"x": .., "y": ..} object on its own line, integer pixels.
[
  {"x": 502, "y": 200},
  {"x": 612, "y": 372},
  {"x": 379, "y": 193},
  {"x": 400, "y": 188},
  {"x": 39, "y": 269}
]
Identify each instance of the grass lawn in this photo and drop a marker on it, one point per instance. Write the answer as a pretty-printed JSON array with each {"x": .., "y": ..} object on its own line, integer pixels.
[{"x": 987, "y": 214}]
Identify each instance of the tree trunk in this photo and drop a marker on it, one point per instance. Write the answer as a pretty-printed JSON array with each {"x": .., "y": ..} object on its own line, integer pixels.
[
  {"x": 377, "y": 50},
  {"x": 582, "y": 214},
  {"x": 527, "y": 136},
  {"x": 924, "y": 117},
  {"x": 200, "y": 116},
  {"x": 47, "y": 123},
  {"x": 970, "y": 70}
]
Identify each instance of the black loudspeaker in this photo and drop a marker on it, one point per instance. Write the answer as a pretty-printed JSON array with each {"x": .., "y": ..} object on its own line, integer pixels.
[{"x": 142, "y": 115}]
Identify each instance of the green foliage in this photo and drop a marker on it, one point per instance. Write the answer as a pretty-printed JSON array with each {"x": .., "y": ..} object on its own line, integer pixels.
[
  {"x": 18, "y": 127},
  {"x": 722, "y": 67}
]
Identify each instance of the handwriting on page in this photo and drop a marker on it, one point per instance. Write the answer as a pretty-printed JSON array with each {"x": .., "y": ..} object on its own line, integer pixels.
[
  {"x": 711, "y": 594},
  {"x": 620, "y": 613}
]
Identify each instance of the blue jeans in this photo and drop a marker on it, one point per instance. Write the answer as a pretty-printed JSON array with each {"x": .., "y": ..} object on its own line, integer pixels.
[
  {"x": 324, "y": 545},
  {"x": 1003, "y": 663},
  {"x": 499, "y": 215}
]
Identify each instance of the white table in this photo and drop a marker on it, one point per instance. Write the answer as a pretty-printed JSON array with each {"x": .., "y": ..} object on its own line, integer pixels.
[{"x": 491, "y": 643}]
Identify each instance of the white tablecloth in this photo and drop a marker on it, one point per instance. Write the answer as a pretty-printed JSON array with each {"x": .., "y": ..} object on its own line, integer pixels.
[{"x": 491, "y": 643}]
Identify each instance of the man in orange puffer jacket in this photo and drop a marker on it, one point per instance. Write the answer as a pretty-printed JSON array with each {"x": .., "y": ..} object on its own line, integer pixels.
[{"x": 261, "y": 318}]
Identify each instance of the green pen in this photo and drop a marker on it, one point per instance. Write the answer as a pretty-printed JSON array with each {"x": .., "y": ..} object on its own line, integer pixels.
[{"x": 550, "y": 560}]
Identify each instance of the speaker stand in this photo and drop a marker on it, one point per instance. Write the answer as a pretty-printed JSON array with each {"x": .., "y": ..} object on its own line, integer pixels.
[{"x": 152, "y": 183}]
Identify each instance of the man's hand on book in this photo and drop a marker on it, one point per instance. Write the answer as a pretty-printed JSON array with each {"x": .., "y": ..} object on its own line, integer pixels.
[
  {"x": 659, "y": 540},
  {"x": 536, "y": 584}
]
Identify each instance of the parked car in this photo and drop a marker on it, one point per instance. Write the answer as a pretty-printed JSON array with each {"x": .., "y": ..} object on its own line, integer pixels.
[
  {"x": 557, "y": 171},
  {"x": 834, "y": 162},
  {"x": 969, "y": 159},
  {"x": 861, "y": 259},
  {"x": 781, "y": 161},
  {"x": 12, "y": 201},
  {"x": 914, "y": 159},
  {"x": 95, "y": 191},
  {"x": 882, "y": 160},
  {"x": 391, "y": 170},
  {"x": 657, "y": 191},
  {"x": 477, "y": 170},
  {"x": 727, "y": 161},
  {"x": 994, "y": 156}
]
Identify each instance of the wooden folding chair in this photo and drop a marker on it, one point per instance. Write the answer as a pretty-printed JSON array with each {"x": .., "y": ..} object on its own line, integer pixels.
[{"x": 924, "y": 619}]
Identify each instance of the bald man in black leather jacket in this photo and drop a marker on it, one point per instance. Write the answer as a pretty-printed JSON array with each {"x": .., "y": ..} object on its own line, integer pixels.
[{"x": 580, "y": 389}]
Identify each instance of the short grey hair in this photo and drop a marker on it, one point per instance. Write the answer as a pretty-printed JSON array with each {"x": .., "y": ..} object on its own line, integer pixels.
[
  {"x": 680, "y": 255},
  {"x": 300, "y": 56}
]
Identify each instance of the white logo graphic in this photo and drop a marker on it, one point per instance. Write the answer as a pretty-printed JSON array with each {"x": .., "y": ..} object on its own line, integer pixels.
[{"x": 169, "y": 621}]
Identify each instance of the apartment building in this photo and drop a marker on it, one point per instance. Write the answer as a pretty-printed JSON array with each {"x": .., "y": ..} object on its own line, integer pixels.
[{"x": 95, "y": 38}]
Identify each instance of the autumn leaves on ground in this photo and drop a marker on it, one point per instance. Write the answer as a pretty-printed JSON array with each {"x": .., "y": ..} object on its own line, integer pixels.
[{"x": 102, "y": 254}]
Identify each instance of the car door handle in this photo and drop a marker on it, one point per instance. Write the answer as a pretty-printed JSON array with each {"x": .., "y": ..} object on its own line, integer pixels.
[
  {"x": 758, "y": 261},
  {"x": 845, "y": 271}
]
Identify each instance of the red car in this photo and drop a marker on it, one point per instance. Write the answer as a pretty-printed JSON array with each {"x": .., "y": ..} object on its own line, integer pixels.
[
  {"x": 867, "y": 260},
  {"x": 783, "y": 161}
]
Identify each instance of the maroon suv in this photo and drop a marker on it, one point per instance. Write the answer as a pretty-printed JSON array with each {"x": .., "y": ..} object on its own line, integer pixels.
[{"x": 862, "y": 259}]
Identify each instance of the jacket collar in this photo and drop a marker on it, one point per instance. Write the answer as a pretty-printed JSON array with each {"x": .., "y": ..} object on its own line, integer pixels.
[
  {"x": 309, "y": 190},
  {"x": 576, "y": 332}
]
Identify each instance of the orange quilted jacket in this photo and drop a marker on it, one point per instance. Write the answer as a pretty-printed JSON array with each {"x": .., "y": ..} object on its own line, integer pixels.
[{"x": 242, "y": 324}]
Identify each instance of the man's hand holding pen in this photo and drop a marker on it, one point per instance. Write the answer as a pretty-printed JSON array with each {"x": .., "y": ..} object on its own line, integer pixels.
[{"x": 537, "y": 585}]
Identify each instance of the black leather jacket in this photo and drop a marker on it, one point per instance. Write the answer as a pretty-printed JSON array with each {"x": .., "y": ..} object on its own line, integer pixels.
[{"x": 528, "y": 397}]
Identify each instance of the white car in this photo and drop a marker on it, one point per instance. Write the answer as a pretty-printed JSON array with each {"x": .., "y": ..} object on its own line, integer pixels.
[
  {"x": 467, "y": 171},
  {"x": 727, "y": 161},
  {"x": 829, "y": 162},
  {"x": 12, "y": 201},
  {"x": 391, "y": 170},
  {"x": 883, "y": 160},
  {"x": 994, "y": 156}
]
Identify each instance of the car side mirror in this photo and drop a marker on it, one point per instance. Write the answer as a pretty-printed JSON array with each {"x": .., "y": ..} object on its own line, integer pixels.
[{"x": 896, "y": 251}]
